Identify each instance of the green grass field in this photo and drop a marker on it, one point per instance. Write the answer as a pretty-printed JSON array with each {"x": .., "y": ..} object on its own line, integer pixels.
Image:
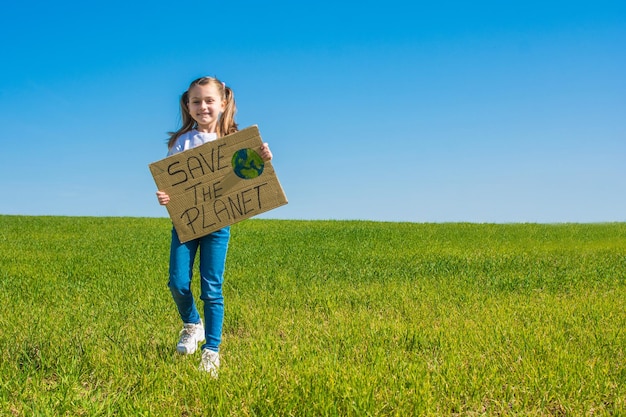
[{"x": 323, "y": 318}]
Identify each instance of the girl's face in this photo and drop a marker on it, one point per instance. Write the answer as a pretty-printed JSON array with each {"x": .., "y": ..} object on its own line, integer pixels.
[{"x": 205, "y": 106}]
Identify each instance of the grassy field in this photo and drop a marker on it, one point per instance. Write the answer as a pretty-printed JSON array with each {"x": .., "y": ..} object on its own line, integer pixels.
[{"x": 323, "y": 318}]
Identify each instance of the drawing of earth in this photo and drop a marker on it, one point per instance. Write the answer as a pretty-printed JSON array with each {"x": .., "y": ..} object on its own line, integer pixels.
[{"x": 247, "y": 164}]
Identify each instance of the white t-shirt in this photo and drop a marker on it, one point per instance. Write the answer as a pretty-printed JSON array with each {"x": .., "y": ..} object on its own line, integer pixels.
[{"x": 190, "y": 140}]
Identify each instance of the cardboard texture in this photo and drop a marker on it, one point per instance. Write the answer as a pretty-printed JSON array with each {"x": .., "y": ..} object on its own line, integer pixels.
[{"x": 217, "y": 184}]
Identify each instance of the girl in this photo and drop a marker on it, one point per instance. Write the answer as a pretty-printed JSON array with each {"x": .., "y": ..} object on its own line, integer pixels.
[{"x": 208, "y": 112}]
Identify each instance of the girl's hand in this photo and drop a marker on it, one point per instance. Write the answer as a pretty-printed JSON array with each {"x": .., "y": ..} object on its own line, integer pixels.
[
  {"x": 162, "y": 197},
  {"x": 266, "y": 154}
]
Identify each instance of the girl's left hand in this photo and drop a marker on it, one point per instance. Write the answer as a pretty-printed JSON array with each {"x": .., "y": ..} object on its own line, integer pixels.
[{"x": 266, "y": 154}]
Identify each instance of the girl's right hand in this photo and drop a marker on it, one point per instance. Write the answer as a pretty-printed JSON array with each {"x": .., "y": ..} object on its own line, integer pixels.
[{"x": 162, "y": 197}]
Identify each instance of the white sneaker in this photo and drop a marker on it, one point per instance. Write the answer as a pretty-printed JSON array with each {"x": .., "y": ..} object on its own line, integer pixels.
[
  {"x": 210, "y": 362},
  {"x": 190, "y": 336}
]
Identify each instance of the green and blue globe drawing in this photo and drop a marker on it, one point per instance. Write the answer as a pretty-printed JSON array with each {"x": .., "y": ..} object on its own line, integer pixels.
[{"x": 247, "y": 164}]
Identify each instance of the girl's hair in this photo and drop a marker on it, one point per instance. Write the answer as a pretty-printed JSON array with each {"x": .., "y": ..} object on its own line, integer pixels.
[{"x": 225, "y": 125}]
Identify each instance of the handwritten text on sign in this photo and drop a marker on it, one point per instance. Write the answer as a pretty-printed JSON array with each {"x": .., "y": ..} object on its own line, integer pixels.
[{"x": 218, "y": 184}]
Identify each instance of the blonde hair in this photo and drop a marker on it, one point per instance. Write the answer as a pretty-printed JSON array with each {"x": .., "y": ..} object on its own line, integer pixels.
[{"x": 225, "y": 126}]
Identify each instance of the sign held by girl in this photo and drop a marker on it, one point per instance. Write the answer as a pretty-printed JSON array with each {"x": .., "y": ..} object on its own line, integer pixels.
[{"x": 218, "y": 183}]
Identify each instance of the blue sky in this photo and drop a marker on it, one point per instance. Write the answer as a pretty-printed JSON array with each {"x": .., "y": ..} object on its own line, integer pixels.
[{"x": 482, "y": 111}]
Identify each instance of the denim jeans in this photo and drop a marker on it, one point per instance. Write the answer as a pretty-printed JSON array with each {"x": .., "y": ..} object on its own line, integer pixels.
[{"x": 213, "y": 250}]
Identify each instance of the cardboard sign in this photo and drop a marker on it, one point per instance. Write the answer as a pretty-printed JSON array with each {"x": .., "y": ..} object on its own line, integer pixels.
[{"x": 217, "y": 184}]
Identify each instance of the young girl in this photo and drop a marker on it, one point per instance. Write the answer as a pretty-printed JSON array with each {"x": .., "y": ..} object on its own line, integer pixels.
[{"x": 208, "y": 112}]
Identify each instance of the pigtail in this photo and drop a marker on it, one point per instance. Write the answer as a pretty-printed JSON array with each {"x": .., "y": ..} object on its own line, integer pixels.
[
  {"x": 187, "y": 121},
  {"x": 227, "y": 124}
]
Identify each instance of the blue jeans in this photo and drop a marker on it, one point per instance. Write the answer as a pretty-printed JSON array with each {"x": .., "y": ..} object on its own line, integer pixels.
[{"x": 213, "y": 250}]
